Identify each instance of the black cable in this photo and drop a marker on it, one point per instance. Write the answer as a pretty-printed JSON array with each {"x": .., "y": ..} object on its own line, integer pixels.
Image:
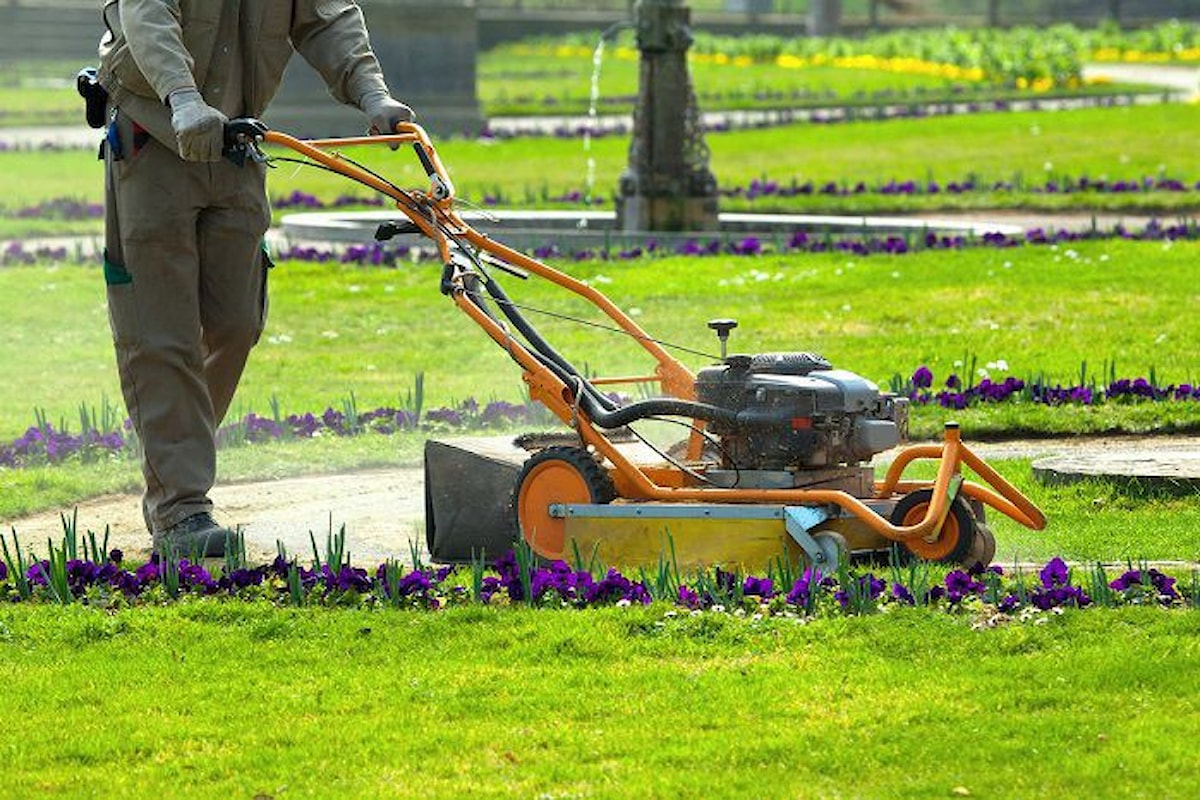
[{"x": 614, "y": 329}]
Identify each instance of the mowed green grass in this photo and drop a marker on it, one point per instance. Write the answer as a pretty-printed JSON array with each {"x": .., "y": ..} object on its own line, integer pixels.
[
  {"x": 338, "y": 329},
  {"x": 1027, "y": 148},
  {"x": 606, "y": 704}
]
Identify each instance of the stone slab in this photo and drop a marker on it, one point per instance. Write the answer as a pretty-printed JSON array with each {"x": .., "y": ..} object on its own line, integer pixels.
[{"x": 1172, "y": 470}]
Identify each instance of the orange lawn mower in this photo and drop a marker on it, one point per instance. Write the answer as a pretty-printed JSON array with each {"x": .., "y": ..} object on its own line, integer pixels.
[{"x": 778, "y": 456}]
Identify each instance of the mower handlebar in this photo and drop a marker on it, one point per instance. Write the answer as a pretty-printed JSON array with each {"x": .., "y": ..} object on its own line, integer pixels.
[{"x": 243, "y": 136}]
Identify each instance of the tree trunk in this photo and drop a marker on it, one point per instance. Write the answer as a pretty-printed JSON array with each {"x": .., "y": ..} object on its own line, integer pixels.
[{"x": 993, "y": 13}]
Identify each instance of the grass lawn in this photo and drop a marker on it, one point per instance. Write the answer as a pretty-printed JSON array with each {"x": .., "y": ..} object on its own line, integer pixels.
[
  {"x": 516, "y": 703},
  {"x": 200, "y": 699},
  {"x": 1026, "y": 149},
  {"x": 337, "y": 329}
]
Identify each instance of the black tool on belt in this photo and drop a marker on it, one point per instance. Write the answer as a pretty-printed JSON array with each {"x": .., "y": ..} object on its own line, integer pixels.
[{"x": 95, "y": 97}]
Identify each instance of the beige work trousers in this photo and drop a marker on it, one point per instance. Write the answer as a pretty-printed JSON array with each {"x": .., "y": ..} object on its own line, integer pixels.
[{"x": 187, "y": 296}]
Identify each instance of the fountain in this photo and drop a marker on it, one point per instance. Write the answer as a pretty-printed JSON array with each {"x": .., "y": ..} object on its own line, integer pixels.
[{"x": 667, "y": 185}]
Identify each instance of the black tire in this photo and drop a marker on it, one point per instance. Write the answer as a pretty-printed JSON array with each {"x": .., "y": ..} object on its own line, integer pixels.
[
  {"x": 960, "y": 513},
  {"x": 592, "y": 477}
]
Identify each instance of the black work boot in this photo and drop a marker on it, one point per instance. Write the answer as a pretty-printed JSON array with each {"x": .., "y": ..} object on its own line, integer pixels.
[{"x": 197, "y": 536}]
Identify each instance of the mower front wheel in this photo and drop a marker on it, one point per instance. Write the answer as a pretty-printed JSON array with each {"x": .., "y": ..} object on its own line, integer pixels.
[
  {"x": 955, "y": 541},
  {"x": 550, "y": 476}
]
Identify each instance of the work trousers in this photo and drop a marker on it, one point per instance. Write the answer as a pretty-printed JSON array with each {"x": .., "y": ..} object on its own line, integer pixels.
[{"x": 186, "y": 277}]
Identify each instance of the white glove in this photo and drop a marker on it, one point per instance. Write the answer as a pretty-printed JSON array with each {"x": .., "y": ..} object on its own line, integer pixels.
[
  {"x": 199, "y": 128},
  {"x": 385, "y": 112}
]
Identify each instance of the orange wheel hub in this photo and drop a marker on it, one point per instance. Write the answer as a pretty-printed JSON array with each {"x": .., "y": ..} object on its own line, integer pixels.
[
  {"x": 551, "y": 481},
  {"x": 941, "y": 547}
]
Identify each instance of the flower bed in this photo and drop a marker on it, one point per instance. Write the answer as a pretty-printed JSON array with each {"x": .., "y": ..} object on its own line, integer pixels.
[
  {"x": 102, "y": 579},
  {"x": 44, "y": 443}
]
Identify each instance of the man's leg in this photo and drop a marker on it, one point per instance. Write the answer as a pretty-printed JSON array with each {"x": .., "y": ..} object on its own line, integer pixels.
[
  {"x": 233, "y": 276},
  {"x": 153, "y": 295}
]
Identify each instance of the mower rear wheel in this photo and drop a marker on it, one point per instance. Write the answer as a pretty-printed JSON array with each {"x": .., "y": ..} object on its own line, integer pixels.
[
  {"x": 833, "y": 548},
  {"x": 556, "y": 475},
  {"x": 983, "y": 550},
  {"x": 955, "y": 540}
]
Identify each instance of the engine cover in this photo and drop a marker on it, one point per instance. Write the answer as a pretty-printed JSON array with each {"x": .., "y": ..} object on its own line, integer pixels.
[{"x": 794, "y": 411}]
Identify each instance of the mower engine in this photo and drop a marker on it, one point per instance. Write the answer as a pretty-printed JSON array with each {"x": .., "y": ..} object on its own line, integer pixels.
[{"x": 794, "y": 412}]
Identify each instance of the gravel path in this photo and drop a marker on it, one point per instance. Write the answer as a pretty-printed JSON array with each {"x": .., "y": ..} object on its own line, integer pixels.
[{"x": 384, "y": 510}]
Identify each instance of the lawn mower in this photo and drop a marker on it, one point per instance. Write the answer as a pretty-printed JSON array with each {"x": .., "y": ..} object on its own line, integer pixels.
[{"x": 776, "y": 461}]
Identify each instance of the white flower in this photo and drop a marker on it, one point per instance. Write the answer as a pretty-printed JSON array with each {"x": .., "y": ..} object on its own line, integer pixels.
[{"x": 330, "y": 334}]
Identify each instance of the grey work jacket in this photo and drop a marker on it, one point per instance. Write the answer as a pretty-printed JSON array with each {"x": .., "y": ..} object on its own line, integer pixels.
[{"x": 155, "y": 47}]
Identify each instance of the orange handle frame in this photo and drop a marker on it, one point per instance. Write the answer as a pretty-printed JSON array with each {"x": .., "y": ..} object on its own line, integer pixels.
[{"x": 432, "y": 211}]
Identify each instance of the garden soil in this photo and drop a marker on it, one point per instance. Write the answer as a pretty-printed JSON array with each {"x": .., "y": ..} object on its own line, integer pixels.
[{"x": 383, "y": 510}]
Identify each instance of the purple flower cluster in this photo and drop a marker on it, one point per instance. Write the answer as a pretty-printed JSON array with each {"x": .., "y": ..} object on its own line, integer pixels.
[
  {"x": 515, "y": 580},
  {"x": 299, "y": 199},
  {"x": 44, "y": 444},
  {"x": 16, "y": 253},
  {"x": 64, "y": 208},
  {"x": 766, "y": 189},
  {"x": 1134, "y": 584},
  {"x": 1055, "y": 589},
  {"x": 558, "y": 581},
  {"x": 377, "y": 254},
  {"x": 919, "y": 389}
]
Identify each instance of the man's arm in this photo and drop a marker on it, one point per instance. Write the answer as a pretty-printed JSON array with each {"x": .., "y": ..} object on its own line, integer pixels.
[
  {"x": 332, "y": 37},
  {"x": 154, "y": 31}
]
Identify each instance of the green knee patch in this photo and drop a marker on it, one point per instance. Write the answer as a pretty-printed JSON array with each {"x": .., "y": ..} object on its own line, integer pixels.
[{"x": 115, "y": 274}]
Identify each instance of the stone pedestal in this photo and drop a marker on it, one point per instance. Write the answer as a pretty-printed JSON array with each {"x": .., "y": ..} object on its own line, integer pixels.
[
  {"x": 667, "y": 185},
  {"x": 428, "y": 53},
  {"x": 824, "y": 17}
]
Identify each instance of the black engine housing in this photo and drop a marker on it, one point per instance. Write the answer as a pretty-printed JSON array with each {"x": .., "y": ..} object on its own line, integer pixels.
[{"x": 794, "y": 411}]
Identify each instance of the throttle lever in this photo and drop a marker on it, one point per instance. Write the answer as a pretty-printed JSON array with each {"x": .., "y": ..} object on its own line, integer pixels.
[{"x": 241, "y": 140}]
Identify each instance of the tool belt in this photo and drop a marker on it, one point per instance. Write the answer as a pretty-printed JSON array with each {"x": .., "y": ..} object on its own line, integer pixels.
[{"x": 95, "y": 97}]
